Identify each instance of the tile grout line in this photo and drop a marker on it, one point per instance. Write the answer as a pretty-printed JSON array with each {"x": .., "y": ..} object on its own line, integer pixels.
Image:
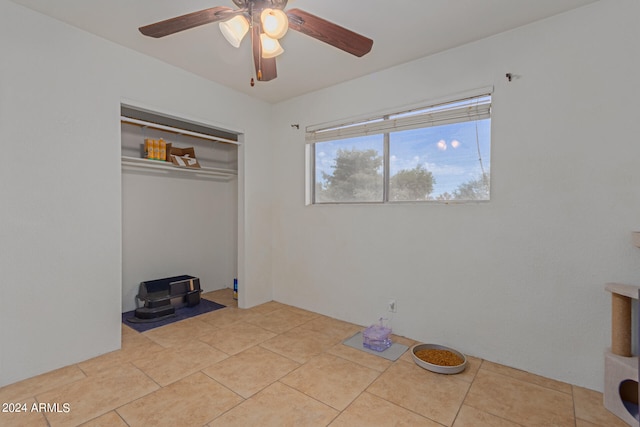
[
  {"x": 160, "y": 387},
  {"x": 313, "y": 398},
  {"x": 504, "y": 375},
  {"x": 224, "y": 386},
  {"x": 573, "y": 405},
  {"x": 467, "y": 392},
  {"x": 270, "y": 384},
  {"x": 398, "y": 360},
  {"x": 527, "y": 381}
]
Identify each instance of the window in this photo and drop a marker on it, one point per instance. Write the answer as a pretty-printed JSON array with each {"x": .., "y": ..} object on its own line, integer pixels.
[{"x": 435, "y": 153}]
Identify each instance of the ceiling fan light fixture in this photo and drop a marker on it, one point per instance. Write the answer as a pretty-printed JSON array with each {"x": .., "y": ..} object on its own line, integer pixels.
[
  {"x": 275, "y": 23},
  {"x": 268, "y": 23},
  {"x": 270, "y": 47},
  {"x": 235, "y": 29}
]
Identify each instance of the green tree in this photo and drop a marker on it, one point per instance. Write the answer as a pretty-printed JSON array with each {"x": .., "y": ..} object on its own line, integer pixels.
[
  {"x": 475, "y": 189},
  {"x": 356, "y": 177},
  {"x": 445, "y": 196},
  {"x": 411, "y": 184}
]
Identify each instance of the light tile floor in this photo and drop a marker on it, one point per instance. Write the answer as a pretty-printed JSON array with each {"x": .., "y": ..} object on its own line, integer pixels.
[{"x": 277, "y": 365}]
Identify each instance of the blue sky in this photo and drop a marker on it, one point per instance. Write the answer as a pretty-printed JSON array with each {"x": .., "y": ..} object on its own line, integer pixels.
[{"x": 449, "y": 152}]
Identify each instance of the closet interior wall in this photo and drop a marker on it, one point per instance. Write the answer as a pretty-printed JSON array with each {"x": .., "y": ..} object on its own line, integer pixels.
[{"x": 176, "y": 221}]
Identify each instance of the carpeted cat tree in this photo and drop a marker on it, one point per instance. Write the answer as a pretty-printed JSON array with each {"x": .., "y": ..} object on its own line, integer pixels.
[{"x": 620, "y": 365}]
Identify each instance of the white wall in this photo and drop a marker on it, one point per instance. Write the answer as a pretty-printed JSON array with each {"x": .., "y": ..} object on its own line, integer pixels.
[
  {"x": 60, "y": 228},
  {"x": 519, "y": 280},
  {"x": 190, "y": 231}
]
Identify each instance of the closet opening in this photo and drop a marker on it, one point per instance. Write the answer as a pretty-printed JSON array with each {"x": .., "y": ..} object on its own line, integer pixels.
[{"x": 179, "y": 217}]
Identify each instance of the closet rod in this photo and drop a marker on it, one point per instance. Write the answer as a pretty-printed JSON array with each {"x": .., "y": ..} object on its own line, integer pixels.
[{"x": 176, "y": 130}]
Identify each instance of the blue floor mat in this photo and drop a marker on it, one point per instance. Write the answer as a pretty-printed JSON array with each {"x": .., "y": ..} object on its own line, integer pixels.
[{"x": 205, "y": 306}]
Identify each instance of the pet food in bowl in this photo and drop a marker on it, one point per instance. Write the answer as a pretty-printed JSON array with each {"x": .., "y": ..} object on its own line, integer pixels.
[{"x": 438, "y": 358}]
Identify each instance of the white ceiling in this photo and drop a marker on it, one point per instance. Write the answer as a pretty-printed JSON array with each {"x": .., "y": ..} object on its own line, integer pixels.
[{"x": 402, "y": 30}]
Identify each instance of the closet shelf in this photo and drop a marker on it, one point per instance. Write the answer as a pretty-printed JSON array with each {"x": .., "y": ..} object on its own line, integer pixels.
[
  {"x": 139, "y": 163},
  {"x": 178, "y": 131}
]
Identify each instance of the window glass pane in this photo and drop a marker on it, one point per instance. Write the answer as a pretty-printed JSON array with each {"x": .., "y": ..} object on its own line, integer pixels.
[
  {"x": 449, "y": 162},
  {"x": 349, "y": 170}
]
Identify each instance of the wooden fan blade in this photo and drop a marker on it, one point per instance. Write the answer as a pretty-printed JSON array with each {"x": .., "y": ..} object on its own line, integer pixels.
[
  {"x": 265, "y": 67},
  {"x": 329, "y": 32},
  {"x": 185, "y": 22}
]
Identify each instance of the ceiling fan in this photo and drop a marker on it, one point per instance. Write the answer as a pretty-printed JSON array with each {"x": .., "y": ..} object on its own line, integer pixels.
[{"x": 268, "y": 22}]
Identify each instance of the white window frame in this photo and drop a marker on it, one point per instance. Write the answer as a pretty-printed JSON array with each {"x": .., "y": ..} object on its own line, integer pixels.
[{"x": 398, "y": 119}]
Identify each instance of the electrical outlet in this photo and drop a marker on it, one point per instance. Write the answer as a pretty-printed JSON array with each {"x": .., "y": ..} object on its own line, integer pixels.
[{"x": 391, "y": 306}]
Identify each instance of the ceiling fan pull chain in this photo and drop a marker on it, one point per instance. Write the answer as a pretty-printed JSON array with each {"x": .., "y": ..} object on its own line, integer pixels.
[
  {"x": 253, "y": 83},
  {"x": 251, "y": 28}
]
